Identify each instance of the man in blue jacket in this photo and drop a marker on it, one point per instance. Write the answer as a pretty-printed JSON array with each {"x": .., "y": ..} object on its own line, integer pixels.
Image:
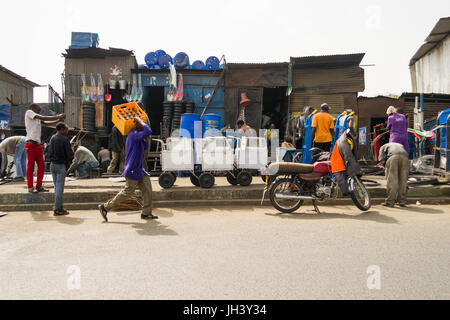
[{"x": 134, "y": 173}]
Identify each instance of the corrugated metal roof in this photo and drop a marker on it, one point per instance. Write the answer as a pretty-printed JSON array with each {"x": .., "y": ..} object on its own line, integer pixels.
[
  {"x": 15, "y": 75},
  {"x": 439, "y": 32},
  {"x": 96, "y": 53},
  {"x": 330, "y": 60},
  {"x": 257, "y": 65}
]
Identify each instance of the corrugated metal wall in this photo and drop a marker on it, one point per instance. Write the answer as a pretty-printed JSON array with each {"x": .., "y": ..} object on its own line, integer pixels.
[
  {"x": 300, "y": 100},
  {"x": 10, "y": 86}
]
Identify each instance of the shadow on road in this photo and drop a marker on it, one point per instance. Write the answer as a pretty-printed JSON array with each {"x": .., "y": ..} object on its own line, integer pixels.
[
  {"x": 47, "y": 216},
  {"x": 150, "y": 228},
  {"x": 367, "y": 216},
  {"x": 158, "y": 212},
  {"x": 422, "y": 210}
]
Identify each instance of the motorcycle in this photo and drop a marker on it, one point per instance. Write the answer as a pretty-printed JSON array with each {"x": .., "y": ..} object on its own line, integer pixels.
[{"x": 291, "y": 183}]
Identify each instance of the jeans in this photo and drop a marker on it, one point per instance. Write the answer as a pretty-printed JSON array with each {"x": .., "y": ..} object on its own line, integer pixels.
[
  {"x": 35, "y": 153},
  {"x": 20, "y": 159},
  {"x": 59, "y": 177},
  {"x": 83, "y": 167}
]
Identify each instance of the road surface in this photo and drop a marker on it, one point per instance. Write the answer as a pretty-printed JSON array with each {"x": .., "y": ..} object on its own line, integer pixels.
[{"x": 228, "y": 253}]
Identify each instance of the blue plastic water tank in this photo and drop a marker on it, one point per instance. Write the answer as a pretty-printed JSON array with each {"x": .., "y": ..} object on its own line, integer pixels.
[
  {"x": 181, "y": 60},
  {"x": 198, "y": 65},
  {"x": 442, "y": 120},
  {"x": 160, "y": 53},
  {"x": 164, "y": 61},
  {"x": 189, "y": 121},
  {"x": 211, "y": 125},
  {"x": 212, "y": 63},
  {"x": 151, "y": 59}
]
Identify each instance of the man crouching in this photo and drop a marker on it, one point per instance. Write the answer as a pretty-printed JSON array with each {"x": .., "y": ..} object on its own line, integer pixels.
[{"x": 133, "y": 172}]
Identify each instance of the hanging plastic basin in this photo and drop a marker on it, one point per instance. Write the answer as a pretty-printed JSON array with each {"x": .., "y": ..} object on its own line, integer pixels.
[
  {"x": 164, "y": 61},
  {"x": 198, "y": 65},
  {"x": 212, "y": 63},
  {"x": 181, "y": 60},
  {"x": 159, "y": 53},
  {"x": 211, "y": 125},
  {"x": 151, "y": 59},
  {"x": 189, "y": 123}
]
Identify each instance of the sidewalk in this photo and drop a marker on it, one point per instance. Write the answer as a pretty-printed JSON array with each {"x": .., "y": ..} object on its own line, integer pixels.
[{"x": 87, "y": 194}]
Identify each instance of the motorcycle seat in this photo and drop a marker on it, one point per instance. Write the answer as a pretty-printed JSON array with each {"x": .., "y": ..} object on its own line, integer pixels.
[{"x": 290, "y": 167}]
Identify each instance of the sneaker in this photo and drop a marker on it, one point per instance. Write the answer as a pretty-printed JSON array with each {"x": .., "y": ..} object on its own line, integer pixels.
[
  {"x": 385, "y": 204},
  {"x": 60, "y": 212},
  {"x": 103, "y": 212},
  {"x": 32, "y": 190},
  {"x": 403, "y": 205},
  {"x": 148, "y": 217},
  {"x": 41, "y": 189}
]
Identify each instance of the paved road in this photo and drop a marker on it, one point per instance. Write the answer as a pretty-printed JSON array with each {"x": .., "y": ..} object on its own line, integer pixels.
[{"x": 228, "y": 253}]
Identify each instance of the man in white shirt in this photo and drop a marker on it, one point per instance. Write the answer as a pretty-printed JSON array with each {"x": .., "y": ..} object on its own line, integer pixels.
[{"x": 35, "y": 152}]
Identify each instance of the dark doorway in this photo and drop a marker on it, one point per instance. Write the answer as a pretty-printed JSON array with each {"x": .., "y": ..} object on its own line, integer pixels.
[
  {"x": 153, "y": 99},
  {"x": 275, "y": 106}
]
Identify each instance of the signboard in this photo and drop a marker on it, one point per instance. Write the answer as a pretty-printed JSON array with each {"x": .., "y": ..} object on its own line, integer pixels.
[{"x": 363, "y": 136}]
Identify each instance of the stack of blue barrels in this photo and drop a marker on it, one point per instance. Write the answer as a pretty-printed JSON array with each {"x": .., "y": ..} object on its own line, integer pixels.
[{"x": 159, "y": 59}]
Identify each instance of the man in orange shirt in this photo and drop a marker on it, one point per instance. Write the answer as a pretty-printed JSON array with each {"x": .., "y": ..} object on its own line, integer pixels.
[{"x": 322, "y": 129}]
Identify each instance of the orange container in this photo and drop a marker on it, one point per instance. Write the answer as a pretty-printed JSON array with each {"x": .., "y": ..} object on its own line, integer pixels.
[{"x": 123, "y": 115}]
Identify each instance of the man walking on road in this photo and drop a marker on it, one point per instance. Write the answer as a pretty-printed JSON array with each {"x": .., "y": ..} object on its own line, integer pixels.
[
  {"x": 322, "y": 129},
  {"x": 133, "y": 173},
  {"x": 14, "y": 146},
  {"x": 59, "y": 154},
  {"x": 395, "y": 158},
  {"x": 35, "y": 152}
]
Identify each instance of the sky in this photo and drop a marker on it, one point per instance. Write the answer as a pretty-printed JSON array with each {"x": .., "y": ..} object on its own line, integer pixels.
[{"x": 34, "y": 34}]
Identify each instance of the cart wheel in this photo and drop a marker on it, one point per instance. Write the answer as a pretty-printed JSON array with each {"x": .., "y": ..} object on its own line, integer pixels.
[
  {"x": 194, "y": 180},
  {"x": 231, "y": 179},
  {"x": 175, "y": 175},
  {"x": 166, "y": 180},
  {"x": 206, "y": 180},
  {"x": 244, "y": 178}
]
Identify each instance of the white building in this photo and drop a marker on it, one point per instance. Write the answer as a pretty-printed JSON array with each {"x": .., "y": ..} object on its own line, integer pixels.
[{"x": 430, "y": 66}]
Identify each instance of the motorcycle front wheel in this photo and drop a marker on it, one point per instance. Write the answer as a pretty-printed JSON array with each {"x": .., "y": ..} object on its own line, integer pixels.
[
  {"x": 359, "y": 194},
  {"x": 283, "y": 187}
]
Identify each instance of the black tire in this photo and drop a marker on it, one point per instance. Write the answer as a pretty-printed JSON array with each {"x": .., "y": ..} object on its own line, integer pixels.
[
  {"x": 166, "y": 180},
  {"x": 244, "y": 178},
  {"x": 360, "y": 196},
  {"x": 279, "y": 186},
  {"x": 206, "y": 180},
  {"x": 194, "y": 180},
  {"x": 232, "y": 179}
]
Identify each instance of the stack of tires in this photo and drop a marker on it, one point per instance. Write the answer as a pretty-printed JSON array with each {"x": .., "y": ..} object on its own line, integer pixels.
[
  {"x": 89, "y": 116},
  {"x": 178, "y": 110},
  {"x": 190, "y": 107}
]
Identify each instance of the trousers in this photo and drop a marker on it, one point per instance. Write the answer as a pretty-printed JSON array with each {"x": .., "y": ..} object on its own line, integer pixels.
[
  {"x": 35, "y": 153},
  {"x": 145, "y": 185},
  {"x": 397, "y": 170}
]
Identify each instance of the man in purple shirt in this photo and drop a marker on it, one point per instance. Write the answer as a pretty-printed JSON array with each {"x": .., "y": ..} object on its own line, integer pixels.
[
  {"x": 398, "y": 128},
  {"x": 135, "y": 177}
]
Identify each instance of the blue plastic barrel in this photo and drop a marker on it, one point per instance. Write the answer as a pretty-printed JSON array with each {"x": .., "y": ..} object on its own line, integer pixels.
[
  {"x": 188, "y": 122},
  {"x": 212, "y": 63},
  {"x": 151, "y": 59},
  {"x": 442, "y": 120},
  {"x": 198, "y": 65},
  {"x": 211, "y": 125},
  {"x": 164, "y": 61},
  {"x": 181, "y": 60},
  {"x": 159, "y": 53}
]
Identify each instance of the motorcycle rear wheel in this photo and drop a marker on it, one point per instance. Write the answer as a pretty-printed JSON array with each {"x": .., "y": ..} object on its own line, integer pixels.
[
  {"x": 360, "y": 195},
  {"x": 285, "y": 205}
]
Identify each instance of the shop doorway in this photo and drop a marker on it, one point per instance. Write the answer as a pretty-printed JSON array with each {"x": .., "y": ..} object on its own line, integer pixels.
[
  {"x": 153, "y": 99},
  {"x": 275, "y": 109}
]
